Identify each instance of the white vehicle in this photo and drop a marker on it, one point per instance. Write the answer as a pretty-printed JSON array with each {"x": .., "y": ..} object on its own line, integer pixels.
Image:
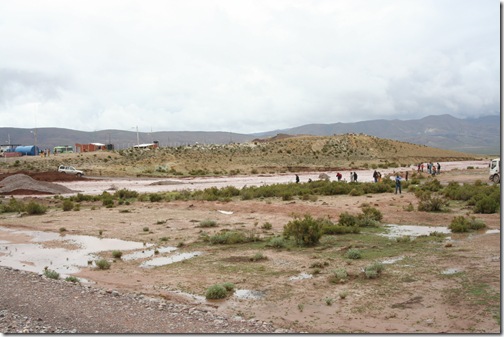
[
  {"x": 70, "y": 170},
  {"x": 495, "y": 170}
]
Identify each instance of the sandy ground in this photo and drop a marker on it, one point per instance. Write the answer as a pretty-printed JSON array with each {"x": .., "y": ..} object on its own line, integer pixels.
[{"x": 416, "y": 294}]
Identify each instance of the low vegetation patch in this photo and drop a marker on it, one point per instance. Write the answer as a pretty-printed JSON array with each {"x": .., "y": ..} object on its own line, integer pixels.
[
  {"x": 102, "y": 264},
  {"x": 219, "y": 291},
  {"x": 460, "y": 224},
  {"x": 306, "y": 231},
  {"x": 52, "y": 274}
]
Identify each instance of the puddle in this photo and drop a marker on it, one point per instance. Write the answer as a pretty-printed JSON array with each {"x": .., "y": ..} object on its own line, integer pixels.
[
  {"x": 492, "y": 231},
  {"x": 147, "y": 253},
  {"x": 393, "y": 260},
  {"x": 302, "y": 276},
  {"x": 450, "y": 271},
  {"x": 245, "y": 294},
  {"x": 197, "y": 298},
  {"x": 395, "y": 231},
  {"x": 161, "y": 261},
  {"x": 34, "y": 256}
]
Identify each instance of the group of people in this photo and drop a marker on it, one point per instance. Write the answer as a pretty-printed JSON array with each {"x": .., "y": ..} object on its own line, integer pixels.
[
  {"x": 45, "y": 153},
  {"x": 431, "y": 168}
]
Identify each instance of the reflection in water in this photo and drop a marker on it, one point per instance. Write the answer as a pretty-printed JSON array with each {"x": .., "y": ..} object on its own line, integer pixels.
[
  {"x": 147, "y": 253},
  {"x": 393, "y": 260},
  {"x": 450, "y": 271},
  {"x": 33, "y": 256},
  {"x": 161, "y": 261},
  {"x": 302, "y": 276},
  {"x": 395, "y": 231},
  {"x": 246, "y": 294}
]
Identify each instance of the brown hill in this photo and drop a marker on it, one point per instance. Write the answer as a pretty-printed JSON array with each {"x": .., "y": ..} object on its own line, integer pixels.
[{"x": 291, "y": 154}]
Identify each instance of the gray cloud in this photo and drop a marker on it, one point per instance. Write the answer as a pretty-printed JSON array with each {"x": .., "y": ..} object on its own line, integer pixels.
[{"x": 245, "y": 66}]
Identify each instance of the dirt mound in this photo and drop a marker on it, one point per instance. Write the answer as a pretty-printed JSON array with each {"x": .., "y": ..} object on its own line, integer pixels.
[
  {"x": 21, "y": 184},
  {"x": 50, "y": 176}
]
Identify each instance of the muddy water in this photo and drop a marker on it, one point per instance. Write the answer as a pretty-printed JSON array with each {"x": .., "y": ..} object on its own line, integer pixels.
[
  {"x": 65, "y": 254},
  {"x": 148, "y": 185},
  {"x": 68, "y": 254}
]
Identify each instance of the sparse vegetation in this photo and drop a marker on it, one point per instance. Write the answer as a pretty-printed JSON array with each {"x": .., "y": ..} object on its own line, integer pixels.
[
  {"x": 102, "y": 264},
  {"x": 306, "y": 231},
  {"x": 353, "y": 254},
  {"x": 52, "y": 274},
  {"x": 117, "y": 254}
]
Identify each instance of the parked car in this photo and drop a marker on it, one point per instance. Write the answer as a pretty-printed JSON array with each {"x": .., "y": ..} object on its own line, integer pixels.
[{"x": 70, "y": 170}]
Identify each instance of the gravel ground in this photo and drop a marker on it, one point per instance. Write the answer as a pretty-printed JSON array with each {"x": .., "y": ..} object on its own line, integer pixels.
[{"x": 31, "y": 303}]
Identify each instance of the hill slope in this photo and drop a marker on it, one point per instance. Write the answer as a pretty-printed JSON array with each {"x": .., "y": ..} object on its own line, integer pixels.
[
  {"x": 283, "y": 154},
  {"x": 479, "y": 135}
]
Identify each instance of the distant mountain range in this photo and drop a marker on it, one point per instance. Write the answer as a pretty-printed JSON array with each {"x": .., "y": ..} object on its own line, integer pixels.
[{"x": 476, "y": 135}]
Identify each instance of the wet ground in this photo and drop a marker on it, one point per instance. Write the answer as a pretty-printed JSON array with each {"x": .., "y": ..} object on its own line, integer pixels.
[{"x": 417, "y": 293}]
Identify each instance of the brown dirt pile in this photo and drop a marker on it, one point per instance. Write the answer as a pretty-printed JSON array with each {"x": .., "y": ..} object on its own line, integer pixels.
[
  {"x": 45, "y": 176},
  {"x": 23, "y": 184}
]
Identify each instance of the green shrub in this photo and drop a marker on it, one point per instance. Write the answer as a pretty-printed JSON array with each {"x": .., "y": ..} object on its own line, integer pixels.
[
  {"x": 353, "y": 254},
  {"x": 208, "y": 223},
  {"x": 62, "y": 229},
  {"x": 374, "y": 270},
  {"x": 276, "y": 242},
  {"x": 346, "y": 219},
  {"x": 306, "y": 232},
  {"x": 68, "y": 205},
  {"x": 487, "y": 205},
  {"x": 338, "y": 229},
  {"x": 258, "y": 257},
  {"x": 216, "y": 291},
  {"x": 155, "y": 197},
  {"x": 459, "y": 224},
  {"x": 72, "y": 279},
  {"x": 266, "y": 226},
  {"x": 145, "y": 229},
  {"x": 371, "y": 213},
  {"x": 117, "y": 254},
  {"x": 125, "y": 194},
  {"x": 430, "y": 203},
  {"x": 339, "y": 275},
  {"x": 14, "y": 205},
  {"x": 355, "y": 192},
  {"x": 232, "y": 237},
  {"x": 102, "y": 264},
  {"x": 370, "y": 217},
  {"x": 51, "y": 274},
  {"x": 108, "y": 202},
  {"x": 34, "y": 208},
  {"x": 228, "y": 286}
]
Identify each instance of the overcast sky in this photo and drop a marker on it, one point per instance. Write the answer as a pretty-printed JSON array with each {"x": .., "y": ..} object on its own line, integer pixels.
[{"x": 244, "y": 66}]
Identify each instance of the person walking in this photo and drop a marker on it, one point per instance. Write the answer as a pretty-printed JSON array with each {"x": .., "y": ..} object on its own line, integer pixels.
[
  {"x": 351, "y": 177},
  {"x": 438, "y": 168},
  {"x": 375, "y": 176},
  {"x": 297, "y": 179},
  {"x": 398, "y": 184},
  {"x": 355, "y": 176}
]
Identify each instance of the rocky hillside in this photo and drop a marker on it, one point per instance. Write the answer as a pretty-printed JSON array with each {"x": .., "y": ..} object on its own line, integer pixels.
[{"x": 279, "y": 154}]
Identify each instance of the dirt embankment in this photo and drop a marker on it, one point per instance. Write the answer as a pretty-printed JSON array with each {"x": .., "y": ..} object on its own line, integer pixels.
[{"x": 34, "y": 183}]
